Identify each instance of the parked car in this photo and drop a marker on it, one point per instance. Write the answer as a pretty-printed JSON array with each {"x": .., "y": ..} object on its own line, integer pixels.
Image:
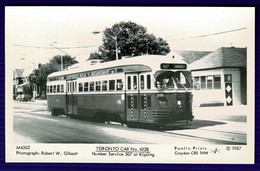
[{"x": 24, "y": 97}]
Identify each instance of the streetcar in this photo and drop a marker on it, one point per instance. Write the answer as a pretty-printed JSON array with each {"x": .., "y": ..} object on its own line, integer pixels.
[{"x": 150, "y": 89}]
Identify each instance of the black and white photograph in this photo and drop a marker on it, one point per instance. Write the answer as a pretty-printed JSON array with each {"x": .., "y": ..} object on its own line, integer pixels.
[{"x": 130, "y": 84}]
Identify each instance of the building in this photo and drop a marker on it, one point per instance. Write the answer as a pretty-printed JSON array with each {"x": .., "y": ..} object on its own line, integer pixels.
[
  {"x": 192, "y": 56},
  {"x": 21, "y": 83},
  {"x": 219, "y": 78},
  {"x": 17, "y": 80}
]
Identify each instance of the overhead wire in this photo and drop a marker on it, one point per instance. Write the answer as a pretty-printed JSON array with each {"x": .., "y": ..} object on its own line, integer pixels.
[
  {"x": 75, "y": 47},
  {"x": 211, "y": 34},
  {"x": 40, "y": 47}
]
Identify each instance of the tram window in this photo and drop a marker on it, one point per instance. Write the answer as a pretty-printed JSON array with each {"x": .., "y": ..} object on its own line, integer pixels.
[
  {"x": 149, "y": 101},
  {"x": 129, "y": 83},
  {"x": 54, "y": 89},
  {"x": 75, "y": 86},
  {"x": 142, "y": 82},
  {"x": 68, "y": 87},
  {"x": 111, "y": 84},
  {"x": 142, "y": 101},
  {"x": 135, "y": 102},
  {"x": 148, "y": 81},
  {"x": 135, "y": 82},
  {"x": 129, "y": 102},
  {"x": 80, "y": 87},
  {"x": 91, "y": 86},
  {"x": 119, "y": 70},
  {"x": 61, "y": 88},
  {"x": 98, "y": 85},
  {"x": 111, "y": 71},
  {"x": 50, "y": 89},
  {"x": 104, "y": 85},
  {"x": 169, "y": 79},
  {"x": 58, "y": 88},
  {"x": 119, "y": 84},
  {"x": 71, "y": 87},
  {"x": 86, "y": 86}
]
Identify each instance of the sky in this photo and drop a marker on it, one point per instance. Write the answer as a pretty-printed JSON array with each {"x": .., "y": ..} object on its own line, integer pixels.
[{"x": 30, "y": 31}]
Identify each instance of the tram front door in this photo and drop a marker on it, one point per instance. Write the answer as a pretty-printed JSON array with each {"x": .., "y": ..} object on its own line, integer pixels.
[
  {"x": 71, "y": 100},
  {"x": 132, "y": 97}
]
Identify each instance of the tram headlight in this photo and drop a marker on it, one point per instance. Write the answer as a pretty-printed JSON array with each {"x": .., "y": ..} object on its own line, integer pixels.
[{"x": 179, "y": 103}]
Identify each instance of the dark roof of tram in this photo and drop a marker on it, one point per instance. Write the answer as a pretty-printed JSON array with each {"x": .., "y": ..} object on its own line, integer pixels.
[{"x": 224, "y": 57}]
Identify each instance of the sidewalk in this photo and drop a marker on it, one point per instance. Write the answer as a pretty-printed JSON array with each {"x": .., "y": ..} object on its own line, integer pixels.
[{"x": 227, "y": 113}]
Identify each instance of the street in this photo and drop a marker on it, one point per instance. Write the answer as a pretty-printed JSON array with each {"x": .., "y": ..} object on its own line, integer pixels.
[{"x": 34, "y": 124}]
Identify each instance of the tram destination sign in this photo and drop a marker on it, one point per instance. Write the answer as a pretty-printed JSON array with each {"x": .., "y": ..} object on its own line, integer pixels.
[{"x": 173, "y": 66}]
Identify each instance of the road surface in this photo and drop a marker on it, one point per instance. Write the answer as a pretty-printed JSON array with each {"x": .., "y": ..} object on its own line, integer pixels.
[{"x": 34, "y": 124}]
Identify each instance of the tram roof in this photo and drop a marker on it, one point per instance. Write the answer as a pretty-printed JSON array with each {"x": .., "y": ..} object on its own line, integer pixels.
[{"x": 152, "y": 62}]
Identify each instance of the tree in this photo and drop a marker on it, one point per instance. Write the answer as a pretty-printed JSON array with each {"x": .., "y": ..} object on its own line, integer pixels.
[
  {"x": 41, "y": 74},
  {"x": 132, "y": 40},
  {"x": 67, "y": 61}
]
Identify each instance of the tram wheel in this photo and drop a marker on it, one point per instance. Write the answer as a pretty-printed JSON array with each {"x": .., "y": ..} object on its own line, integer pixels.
[
  {"x": 99, "y": 117},
  {"x": 54, "y": 112},
  {"x": 157, "y": 127}
]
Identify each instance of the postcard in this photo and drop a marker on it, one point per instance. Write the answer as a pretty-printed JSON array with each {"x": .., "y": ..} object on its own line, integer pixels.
[{"x": 96, "y": 84}]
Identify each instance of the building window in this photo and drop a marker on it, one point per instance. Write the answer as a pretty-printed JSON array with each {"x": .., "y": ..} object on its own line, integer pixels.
[
  {"x": 228, "y": 77},
  {"x": 80, "y": 87},
  {"x": 86, "y": 86},
  {"x": 104, "y": 85},
  {"x": 217, "y": 82},
  {"x": 98, "y": 85},
  {"x": 119, "y": 84},
  {"x": 196, "y": 83},
  {"x": 111, "y": 84},
  {"x": 209, "y": 82},
  {"x": 203, "y": 82}
]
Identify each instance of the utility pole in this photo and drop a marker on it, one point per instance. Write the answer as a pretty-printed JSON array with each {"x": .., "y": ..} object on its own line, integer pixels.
[
  {"x": 113, "y": 37},
  {"x": 61, "y": 55}
]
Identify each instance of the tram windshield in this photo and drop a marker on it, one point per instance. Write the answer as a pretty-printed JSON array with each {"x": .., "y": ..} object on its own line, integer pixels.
[{"x": 173, "y": 80}]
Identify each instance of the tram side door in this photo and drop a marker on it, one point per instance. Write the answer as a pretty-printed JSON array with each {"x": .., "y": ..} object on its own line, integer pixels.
[
  {"x": 132, "y": 97},
  {"x": 71, "y": 99}
]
